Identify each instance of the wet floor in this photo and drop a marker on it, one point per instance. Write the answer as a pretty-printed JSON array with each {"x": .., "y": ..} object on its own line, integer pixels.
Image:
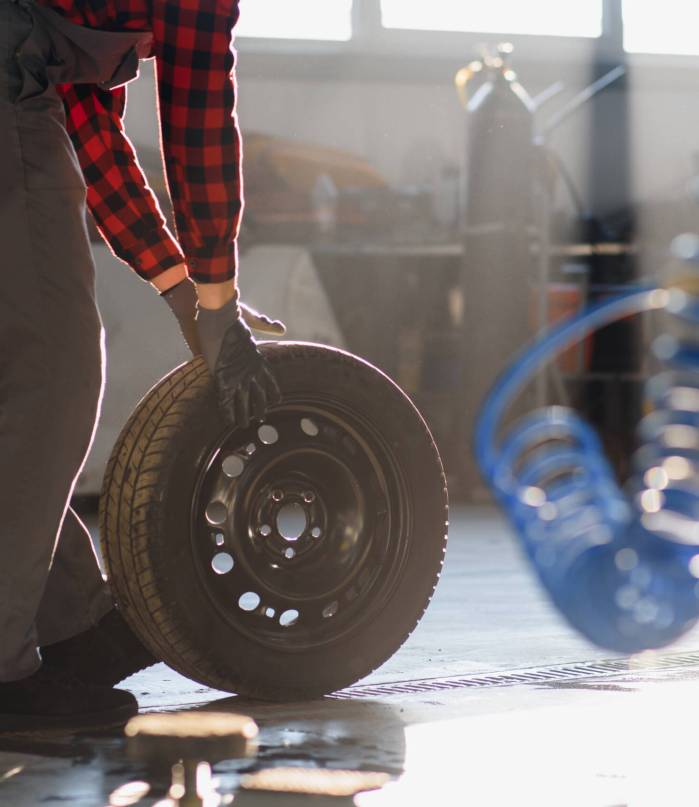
[{"x": 492, "y": 701}]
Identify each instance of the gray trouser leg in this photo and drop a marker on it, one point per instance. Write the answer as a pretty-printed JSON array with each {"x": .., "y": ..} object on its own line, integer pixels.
[
  {"x": 76, "y": 596},
  {"x": 50, "y": 374}
]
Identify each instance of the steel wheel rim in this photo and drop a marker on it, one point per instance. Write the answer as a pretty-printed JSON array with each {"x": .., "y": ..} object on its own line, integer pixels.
[{"x": 301, "y": 525}]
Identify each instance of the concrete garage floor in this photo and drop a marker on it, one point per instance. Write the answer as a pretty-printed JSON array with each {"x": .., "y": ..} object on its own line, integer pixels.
[{"x": 506, "y": 706}]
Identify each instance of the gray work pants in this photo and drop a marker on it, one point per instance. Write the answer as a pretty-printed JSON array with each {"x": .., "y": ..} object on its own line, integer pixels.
[{"x": 50, "y": 366}]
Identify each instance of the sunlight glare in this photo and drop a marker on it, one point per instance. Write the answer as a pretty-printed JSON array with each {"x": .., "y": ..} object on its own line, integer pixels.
[
  {"x": 544, "y": 17},
  {"x": 674, "y": 31},
  {"x": 302, "y": 19}
]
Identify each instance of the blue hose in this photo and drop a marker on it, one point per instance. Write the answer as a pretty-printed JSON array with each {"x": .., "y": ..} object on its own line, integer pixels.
[{"x": 622, "y": 567}]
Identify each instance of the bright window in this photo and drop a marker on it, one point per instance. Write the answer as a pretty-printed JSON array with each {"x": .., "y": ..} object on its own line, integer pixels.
[
  {"x": 667, "y": 28},
  {"x": 548, "y": 17},
  {"x": 296, "y": 19}
]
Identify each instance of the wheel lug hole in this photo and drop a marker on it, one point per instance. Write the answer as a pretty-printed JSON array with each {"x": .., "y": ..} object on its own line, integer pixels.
[
  {"x": 249, "y": 601},
  {"x": 265, "y": 530},
  {"x": 233, "y": 466},
  {"x": 289, "y": 618},
  {"x": 309, "y": 497},
  {"x": 277, "y": 495},
  {"x": 289, "y": 553},
  {"x": 267, "y": 434},
  {"x": 222, "y": 563},
  {"x": 316, "y": 532},
  {"x": 216, "y": 513}
]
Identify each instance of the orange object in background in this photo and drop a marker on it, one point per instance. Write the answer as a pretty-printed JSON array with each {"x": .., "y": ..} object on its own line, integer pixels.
[
  {"x": 279, "y": 163},
  {"x": 565, "y": 300},
  {"x": 282, "y": 176}
]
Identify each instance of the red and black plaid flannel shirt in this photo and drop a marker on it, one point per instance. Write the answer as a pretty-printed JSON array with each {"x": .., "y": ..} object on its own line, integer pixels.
[{"x": 200, "y": 139}]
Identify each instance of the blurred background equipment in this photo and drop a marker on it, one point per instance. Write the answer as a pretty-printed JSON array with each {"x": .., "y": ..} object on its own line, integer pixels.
[
  {"x": 299, "y": 191},
  {"x": 622, "y": 570},
  {"x": 535, "y": 265}
]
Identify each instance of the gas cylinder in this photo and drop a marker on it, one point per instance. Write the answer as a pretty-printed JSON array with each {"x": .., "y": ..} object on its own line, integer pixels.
[
  {"x": 499, "y": 145},
  {"x": 498, "y": 226}
]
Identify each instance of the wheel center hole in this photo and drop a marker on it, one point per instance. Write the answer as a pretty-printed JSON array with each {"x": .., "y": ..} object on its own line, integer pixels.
[{"x": 292, "y": 521}]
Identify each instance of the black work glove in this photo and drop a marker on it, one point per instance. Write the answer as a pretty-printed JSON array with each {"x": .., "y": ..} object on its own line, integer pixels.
[
  {"x": 244, "y": 382},
  {"x": 182, "y": 300}
]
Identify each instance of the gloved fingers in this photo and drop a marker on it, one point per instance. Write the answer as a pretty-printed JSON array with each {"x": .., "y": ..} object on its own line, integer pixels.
[
  {"x": 227, "y": 405},
  {"x": 272, "y": 392},
  {"x": 258, "y": 400},
  {"x": 242, "y": 406},
  {"x": 250, "y": 400},
  {"x": 261, "y": 322},
  {"x": 245, "y": 384}
]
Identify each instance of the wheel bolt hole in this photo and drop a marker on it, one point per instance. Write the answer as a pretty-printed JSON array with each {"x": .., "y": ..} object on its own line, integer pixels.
[
  {"x": 309, "y": 427},
  {"x": 309, "y": 497},
  {"x": 289, "y": 553},
  {"x": 277, "y": 495},
  {"x": 265, "y": 530},
  {"x": 316, "y": 532},
  {"x": 292, "y": 521},
  {"x": 222, "y": 563},
  {"x": 268, "y": 434},
  {"x": 270, "y": 613},
  {"x": 233, "y": 466},
  {"x": 249, "y": 601},
  {"x": 220, "y": 539},
  {"x": 289, "y": 618},
  {"x": 250, "y": 449},
  {"x": 216, "y": 513}
]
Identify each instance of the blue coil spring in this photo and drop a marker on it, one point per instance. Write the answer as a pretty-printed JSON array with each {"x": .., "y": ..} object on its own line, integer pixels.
[{"x": 621, "y": 565}]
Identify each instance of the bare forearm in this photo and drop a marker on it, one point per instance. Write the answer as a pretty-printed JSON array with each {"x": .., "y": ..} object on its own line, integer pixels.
[
  {"x": 215, "y": 295},
  {"x": 170, "y": 278}
]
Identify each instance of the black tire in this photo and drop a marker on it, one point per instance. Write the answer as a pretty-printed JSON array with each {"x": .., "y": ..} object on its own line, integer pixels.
[{"x": 370, "y": 464}]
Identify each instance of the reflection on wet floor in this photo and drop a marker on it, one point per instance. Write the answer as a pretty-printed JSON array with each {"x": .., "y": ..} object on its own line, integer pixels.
[
  {"x": 604, "y": 736},
  {"x": 630, "y": 742}
]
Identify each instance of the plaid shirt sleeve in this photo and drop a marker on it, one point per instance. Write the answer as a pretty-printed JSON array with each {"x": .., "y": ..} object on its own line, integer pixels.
[
  {"x": 125, "y": 209},
  {"x": 200, "y": 139}
]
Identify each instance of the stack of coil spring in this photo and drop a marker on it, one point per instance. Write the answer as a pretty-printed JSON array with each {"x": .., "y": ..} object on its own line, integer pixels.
[{"x": 621, "y": 566}]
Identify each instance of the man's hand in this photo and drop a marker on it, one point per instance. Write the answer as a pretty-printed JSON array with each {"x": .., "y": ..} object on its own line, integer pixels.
[
  {"x": 182, "y": 300},
  {"x": 245, "y": 384}
]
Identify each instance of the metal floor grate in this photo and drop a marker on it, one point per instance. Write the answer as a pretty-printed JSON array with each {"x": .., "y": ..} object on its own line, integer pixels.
[{"x": 529, "y": 675}]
